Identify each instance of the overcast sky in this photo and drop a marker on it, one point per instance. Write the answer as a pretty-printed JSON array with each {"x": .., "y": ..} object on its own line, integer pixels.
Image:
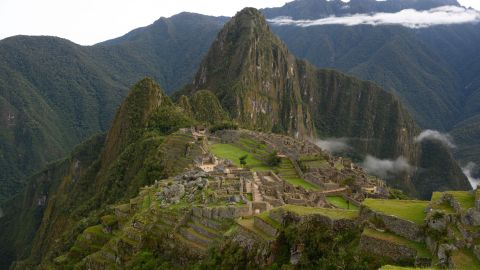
[{"x": 90, "y": 21}]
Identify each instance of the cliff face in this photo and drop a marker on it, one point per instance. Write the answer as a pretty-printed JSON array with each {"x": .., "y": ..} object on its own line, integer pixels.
[
  {"x": 25, "y": 212},
  {"x": 263, "y": 86}
]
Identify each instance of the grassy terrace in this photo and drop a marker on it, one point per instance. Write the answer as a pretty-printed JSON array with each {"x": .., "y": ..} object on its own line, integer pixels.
[
  {"x": 313, "y": 162},
  {"x": 421, "y": 249},
  {"x": 405, "y": 209},
  {"x": 287, "y": 172},
  {"x": 464, "y": 259},
  {"x": 247, "y": 223},
  {"x": 331, "y": 213},
  {"x": 264, "y": 216},
  {"x": 340, "y": 202},
  {"x": 254, "y": 149},
  {"x": 233, "y": 153},
  {"x": 466, "y": 199}
]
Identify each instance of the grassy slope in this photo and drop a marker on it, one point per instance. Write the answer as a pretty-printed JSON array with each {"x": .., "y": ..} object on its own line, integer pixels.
[
  {"x": 61, "y": 93},
  {"x": 341, "y": 203},
  {"x": 420, "y": 248},
  {"x": 466, "y": 199},
  {"x": 233, "y": 153},
  {"x": 465, "y": 259},
  {"x": 409, "y": 210}
]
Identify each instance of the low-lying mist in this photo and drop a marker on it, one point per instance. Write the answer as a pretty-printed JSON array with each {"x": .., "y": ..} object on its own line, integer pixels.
[
  {"x": 429, "y": 134},
  {"x": 334, "y": 145},
  {"x": 469, "y": 173},
  {"x": 385, "y": 168}
]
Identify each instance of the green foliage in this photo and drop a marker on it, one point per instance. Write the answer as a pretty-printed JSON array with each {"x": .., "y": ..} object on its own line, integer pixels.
[
  {"x": 144, "y": 260},
  {"x": 206, "y": 108},
  {"x": 243, "y": 160},
  {"x": 60, "y": 93},
  {"x": 223, "y": 125},
  {"x": 169, "y": 119},
  {"x": 396, "y": 194},
  {"x": 273, "y": 159}
]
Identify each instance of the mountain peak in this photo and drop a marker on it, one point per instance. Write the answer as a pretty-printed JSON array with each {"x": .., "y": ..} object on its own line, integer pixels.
[
  {"x": 264, "y": 87},
  {"x": 247, "y": 21},
  {"x": 143, "y": 99}
]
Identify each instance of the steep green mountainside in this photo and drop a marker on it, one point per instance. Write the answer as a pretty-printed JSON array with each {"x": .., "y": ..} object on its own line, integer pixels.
[
  {"x": 24, "y": 212},
  {"x": 80, "y": 211},
  {"x": 434, "y": 70},
  {"x": 392, "y": 56},
  {"x": 54, "y": 93},
  {"x": 140, "y": 147},
  {"x": 264, "y": 87}
]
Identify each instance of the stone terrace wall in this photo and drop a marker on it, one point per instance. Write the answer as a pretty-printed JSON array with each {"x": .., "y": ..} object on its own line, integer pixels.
[
  {"x": 265, "y": 227},
  {"x": 220, "y": 212},
  {"x": 405, "y": 228},
  {"x": 334, "y": 224},
  {"x": 387, "y": 249}
]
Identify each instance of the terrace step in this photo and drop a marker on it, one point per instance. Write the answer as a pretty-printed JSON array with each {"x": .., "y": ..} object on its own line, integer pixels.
[
  {"x": 263, "y": 223},
  {"x": 212, "y": 224},
  {"x": 204, "y": 230},
  {"x": 248, "y": 225},
  {"x": 194, "y": 236},
  {"x": 197, "y": 246},
  {"x": 106, "y": 255}
]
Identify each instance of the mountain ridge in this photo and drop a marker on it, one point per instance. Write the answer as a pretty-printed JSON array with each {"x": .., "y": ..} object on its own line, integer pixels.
[
  {"x": 316, "y": 9},
  {"x": 264, "y": 87}
]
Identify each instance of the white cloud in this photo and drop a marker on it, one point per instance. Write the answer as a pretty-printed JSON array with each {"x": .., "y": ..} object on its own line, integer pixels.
[
  {"x": 435, "y": 135},
  {"x": 333, "y": 145},
  {"x": 408, "y": 17},
  {"x": 385, "y": 168},
  {"x": 468, "y": 171},
  {"x": 90, "y": 21}
]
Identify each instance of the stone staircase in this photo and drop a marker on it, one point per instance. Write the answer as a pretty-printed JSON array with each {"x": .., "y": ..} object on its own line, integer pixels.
[{"x": 256, "y": 195}]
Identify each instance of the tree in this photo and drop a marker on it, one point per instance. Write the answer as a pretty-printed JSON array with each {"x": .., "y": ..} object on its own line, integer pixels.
[
  {"x": 243, "y": 160},
  {"x": 273, "y": 159}
]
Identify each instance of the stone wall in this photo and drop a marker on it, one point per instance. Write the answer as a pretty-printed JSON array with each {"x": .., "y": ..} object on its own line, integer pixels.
[
  {"x": 264, "y": 227},
  {"x": 405, "y": 228},
  {"x": 277, "y": 215},
  {"x": 352, "y": 201},
  {"x": 220, "y": 212},
  {"x": 333, "y": 224},
  {"x": 262, "y": 206},
  {"x": 387, "y": 249}
]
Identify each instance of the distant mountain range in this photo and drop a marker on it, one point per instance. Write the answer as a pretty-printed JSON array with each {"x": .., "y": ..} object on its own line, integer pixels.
[
  {"x": 54, "y": 94},
  {"x": 248, "y": 78}
]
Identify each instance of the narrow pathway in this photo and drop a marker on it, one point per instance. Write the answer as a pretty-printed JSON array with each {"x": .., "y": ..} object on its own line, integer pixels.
[{"x": 257, "y": 197}]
